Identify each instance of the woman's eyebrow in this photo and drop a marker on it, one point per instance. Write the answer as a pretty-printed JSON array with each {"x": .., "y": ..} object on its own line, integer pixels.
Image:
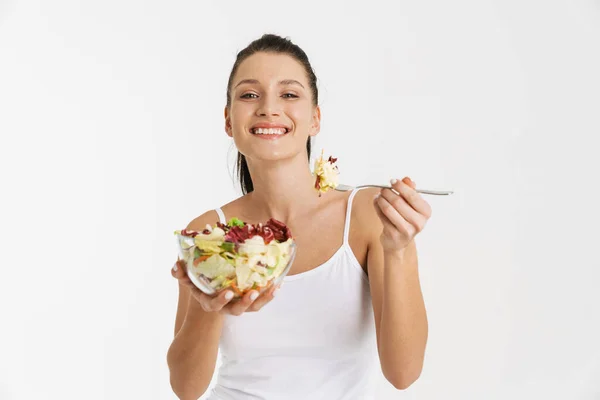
[
  {"x": 283, "y": 82},
  {"x": 291, "y": 82}
]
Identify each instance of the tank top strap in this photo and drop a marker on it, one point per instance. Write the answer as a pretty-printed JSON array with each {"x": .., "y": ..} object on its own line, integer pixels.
[
  {"x": 348, "y": 216},
  {"x": 221, "y": 215}
]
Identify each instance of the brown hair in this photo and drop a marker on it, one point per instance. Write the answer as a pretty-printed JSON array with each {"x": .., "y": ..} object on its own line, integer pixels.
[{"x": 271, "y": 44}]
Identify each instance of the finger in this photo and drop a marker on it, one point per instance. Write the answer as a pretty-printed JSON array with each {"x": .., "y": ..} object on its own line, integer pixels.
[
  {"x": 403, "y": 188},
  {"x": 412, "y": 197},
  {"x": 207, "y": 302},
  {"x": 220, "y": 300},
  {"x": 393, "y": 216},
  {"x": 386, "y": 222},
  {"x": 264, "y": 298},
  {"x": 404, "y": 209},
  {"x": 187, "y": 282},
  {"x": 179, "y": 273},
  {"x": 178, "y": 269},
  {"x": 409, "y": 182},
  {"x": 239, "y": 307},
  {"x": 202, "y": 298}
]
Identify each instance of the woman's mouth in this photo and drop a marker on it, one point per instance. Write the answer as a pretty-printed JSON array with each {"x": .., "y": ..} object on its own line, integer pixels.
[{"x": 269, "y": 131}]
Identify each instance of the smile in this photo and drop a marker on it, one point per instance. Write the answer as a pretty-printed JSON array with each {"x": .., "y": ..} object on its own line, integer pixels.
[{"x": 269, "y": 131}]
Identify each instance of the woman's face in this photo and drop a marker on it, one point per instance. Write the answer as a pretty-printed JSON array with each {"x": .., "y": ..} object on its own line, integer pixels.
[{"x": 271, "y": 114}]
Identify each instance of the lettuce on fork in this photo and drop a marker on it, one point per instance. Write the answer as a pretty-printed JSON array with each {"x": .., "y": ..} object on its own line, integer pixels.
[{"x": 326, "y": 174}]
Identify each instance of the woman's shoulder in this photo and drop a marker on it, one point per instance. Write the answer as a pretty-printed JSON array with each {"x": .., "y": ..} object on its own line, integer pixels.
[
  {"x": 362, "y": 205},
  {"x": 211, "y": 217},
  {"x": 198, "y": 224},
  {"x": 364, "y": 215}
]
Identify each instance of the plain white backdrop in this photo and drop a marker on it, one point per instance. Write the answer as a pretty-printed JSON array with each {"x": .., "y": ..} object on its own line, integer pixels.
[{"x": 112, "y": 137}]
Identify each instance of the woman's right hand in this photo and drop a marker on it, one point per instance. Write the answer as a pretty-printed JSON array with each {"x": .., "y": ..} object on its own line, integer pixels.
[{"x": 221, "y": 303}]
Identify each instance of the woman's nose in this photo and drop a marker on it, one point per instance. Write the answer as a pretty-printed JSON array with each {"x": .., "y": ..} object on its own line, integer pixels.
[{"x": 268, "y": 106}]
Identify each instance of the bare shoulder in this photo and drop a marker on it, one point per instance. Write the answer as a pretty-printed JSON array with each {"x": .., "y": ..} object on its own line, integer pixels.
[
  {"x": 364, "y": 213},
  {"x": 199, "y": 223},
  {"x": 211, "y": 217}
]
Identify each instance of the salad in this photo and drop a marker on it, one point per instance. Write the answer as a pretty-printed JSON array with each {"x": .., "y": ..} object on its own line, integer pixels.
[
  {"x": 236, "y": 255},
  {"x": 326, "y": 174}
]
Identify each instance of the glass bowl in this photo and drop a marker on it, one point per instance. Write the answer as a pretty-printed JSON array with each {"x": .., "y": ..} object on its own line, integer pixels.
[{"x": 271, "y": 263}]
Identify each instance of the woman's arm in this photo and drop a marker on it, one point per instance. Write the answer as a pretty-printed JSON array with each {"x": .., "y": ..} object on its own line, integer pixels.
[
  {"x": 192, "y": 355},
  {"x": 392, "y": 221},
  {"x": 399, "y": 309}
]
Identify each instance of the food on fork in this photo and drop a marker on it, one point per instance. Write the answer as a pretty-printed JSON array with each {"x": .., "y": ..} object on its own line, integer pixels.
[
  {"x": 236, "y": 255},
  {"x": 326, "y": 174}
]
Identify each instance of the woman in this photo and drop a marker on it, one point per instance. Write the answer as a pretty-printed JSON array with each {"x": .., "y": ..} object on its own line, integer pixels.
[{"x": 353, "y": 290}]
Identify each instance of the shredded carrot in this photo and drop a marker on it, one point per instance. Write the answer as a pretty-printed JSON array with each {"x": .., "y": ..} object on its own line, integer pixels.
[
  {"x": 236, "y": 289},
  {"x": 200, "y": 259}
]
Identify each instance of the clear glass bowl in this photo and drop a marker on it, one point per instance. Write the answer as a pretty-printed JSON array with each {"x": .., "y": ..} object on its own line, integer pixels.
[{"x": 186, "y": 246}]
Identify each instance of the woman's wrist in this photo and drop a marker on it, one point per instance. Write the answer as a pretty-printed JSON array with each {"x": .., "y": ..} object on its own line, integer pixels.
[{"x": 196, "y": 312}]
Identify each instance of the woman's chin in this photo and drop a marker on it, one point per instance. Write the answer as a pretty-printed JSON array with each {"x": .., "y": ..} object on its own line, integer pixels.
[
  {"x": 272, "y": 149},
  {"x": 270, "y": 155}
]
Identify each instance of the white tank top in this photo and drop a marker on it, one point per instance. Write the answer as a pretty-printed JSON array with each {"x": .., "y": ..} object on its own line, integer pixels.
[{"x": 315, "y": 340}]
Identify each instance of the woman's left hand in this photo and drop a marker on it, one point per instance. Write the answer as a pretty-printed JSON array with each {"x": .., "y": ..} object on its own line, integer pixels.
[{"x": 403, "y": 216}]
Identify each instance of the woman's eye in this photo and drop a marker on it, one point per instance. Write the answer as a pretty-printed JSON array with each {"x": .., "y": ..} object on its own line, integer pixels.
[
  {"x": 290, "y": 95},
  {"x": 248, "y": 96}
]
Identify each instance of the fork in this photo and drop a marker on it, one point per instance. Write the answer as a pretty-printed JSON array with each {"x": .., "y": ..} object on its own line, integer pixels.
[{"x": 345, "y": 188}]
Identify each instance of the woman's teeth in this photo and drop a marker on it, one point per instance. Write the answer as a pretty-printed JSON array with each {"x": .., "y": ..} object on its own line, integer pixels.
[{"x": 269, "y": 131}]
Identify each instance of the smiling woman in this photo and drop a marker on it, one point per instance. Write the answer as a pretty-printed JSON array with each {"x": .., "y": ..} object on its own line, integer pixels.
[
  {"x": 351, "y": 294},
  {"x": 273, "y": 54}
]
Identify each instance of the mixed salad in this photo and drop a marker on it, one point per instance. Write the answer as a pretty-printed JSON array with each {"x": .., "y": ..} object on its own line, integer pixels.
[
  {"x": 326, "y": 174},
  {"x": 236, "y": 255}
]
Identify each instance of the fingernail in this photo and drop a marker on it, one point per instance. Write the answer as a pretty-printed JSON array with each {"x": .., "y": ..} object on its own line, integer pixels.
[
  {"x": 253, "y": 296},
  {"x": 393, "y": 181},
  {"x": 228, "y": 295},
  {"x": 377, "y": 196},
  {"x": 276, "y": 290},
  {"x": 175, "y": 267}
]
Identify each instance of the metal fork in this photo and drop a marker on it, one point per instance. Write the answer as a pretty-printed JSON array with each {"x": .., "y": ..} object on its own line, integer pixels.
[{"x": 345, "y": 188}]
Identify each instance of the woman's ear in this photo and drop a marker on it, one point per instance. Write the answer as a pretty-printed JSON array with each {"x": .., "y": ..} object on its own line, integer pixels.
[
  {"x": 315, "y": 127},
  {"x": 228, "y": 129}
]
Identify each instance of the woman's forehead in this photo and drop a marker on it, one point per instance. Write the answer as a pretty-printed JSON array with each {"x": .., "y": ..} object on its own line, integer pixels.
[{"x": 270, "y": 68}]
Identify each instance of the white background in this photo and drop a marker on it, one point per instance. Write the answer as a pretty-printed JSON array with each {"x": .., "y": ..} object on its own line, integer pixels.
[{"x": 111, "y": 123}]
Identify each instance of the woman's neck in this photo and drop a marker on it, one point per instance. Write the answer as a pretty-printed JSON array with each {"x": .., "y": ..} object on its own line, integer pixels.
[{"x": 282, "y": 189}]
